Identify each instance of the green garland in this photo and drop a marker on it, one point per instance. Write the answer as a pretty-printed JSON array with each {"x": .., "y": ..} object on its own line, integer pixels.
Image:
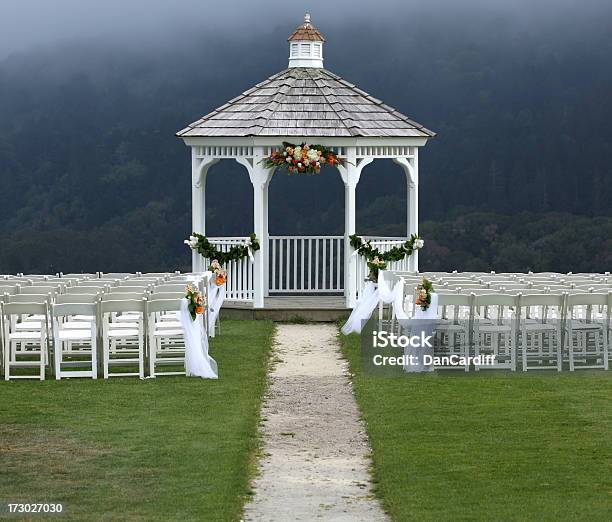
[
  {"x": 204, "y": 247},
  {"x": 397, "y": 253}
]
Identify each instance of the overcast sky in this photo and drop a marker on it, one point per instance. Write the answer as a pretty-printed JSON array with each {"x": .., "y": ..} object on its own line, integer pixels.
[{"x": 28, "y": 23}]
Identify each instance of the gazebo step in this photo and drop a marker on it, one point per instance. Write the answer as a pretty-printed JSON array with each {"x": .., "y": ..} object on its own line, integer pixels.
[{"x": 290, "y": 308}]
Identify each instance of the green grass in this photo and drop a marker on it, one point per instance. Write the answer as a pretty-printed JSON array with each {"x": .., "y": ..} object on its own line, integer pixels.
[
  {"x": 171, "y": 448},
  {"x": 489, "y": 446}
]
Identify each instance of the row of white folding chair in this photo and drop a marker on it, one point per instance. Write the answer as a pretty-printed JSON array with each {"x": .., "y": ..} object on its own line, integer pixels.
[
  {"x": 166, "y": 327},
  {"x": 550, "y": 306}
]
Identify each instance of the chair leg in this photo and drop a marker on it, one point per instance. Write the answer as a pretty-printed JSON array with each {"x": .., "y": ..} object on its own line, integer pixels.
[
  {"x": 42, "y": 358},
  {"x": 7, "y": 360},
  {"x": 152, "y": 357},
  {"x": 570, "y": 348},
  {"x": 140, "y": 355},
  {"x": 105, "y": 356},
  {"x": 524, "y": 344}
]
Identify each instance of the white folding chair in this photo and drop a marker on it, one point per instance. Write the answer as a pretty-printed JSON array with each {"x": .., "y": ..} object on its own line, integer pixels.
[
  {"x": 541, "y": 331},
  {"x": 121, "y": 345},
  {"x": 24, "y": 349},
  {"x": 591, "y": 335},
  {"x": 495, "y": 329},
  {"x": 453, "y": 329},
  {"x": 75, "y": 347},
  {"x": 166, "y": 344}
]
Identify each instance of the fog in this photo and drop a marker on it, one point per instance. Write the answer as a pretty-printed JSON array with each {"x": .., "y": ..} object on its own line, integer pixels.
[{"x": 29, "y": 23}]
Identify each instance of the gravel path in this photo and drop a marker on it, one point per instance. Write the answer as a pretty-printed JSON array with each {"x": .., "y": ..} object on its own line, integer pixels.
[{"x": 316, "y": 455}]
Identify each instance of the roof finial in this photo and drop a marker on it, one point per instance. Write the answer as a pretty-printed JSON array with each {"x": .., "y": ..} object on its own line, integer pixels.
[{"x": 306, "y": 18}]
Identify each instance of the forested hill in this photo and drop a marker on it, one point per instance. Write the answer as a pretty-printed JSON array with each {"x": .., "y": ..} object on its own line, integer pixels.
[{"x": 92, "y": 176}]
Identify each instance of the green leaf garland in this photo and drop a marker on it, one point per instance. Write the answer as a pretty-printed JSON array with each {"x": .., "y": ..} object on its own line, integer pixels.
[
  {"x": 397, "y": 253},
  {"x": 204, "y": 247}
]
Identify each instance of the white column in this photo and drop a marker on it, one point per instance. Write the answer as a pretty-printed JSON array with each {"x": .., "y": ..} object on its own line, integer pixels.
[
  {"x": 350, "y": 261},
  {"x": 199, "y": 171},
  {"x": 197, "y": 207},
  {"x": 413, "y": 208},
  {"x": 265, "y": 239},
  {"x": 350, "y": 173},
  {"x": 411, "y": 169},
  {"x": 260, "y": 176}
]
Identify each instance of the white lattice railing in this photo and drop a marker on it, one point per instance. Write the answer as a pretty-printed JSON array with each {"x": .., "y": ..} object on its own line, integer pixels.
[
  {"x": 306, "y": 264},
  {"x": 239, "y": 286}
]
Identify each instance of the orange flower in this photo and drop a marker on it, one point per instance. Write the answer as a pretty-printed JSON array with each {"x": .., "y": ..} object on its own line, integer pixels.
[
  {"x": 220, "y": 279},
  {"x": 199, "y": 310}
]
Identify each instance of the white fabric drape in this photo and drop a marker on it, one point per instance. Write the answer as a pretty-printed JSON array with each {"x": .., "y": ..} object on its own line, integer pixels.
[
  {"x": 216, "y": 296},
  {"x": 197, "y": 361},
  {"x": 372, "y": 294},
  {"x": 425, "y": 321}
]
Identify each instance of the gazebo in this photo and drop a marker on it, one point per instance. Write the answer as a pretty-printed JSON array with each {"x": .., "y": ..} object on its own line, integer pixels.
[{"x": 304, "y": 103}]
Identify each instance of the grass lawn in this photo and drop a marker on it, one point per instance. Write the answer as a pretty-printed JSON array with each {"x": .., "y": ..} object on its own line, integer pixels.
[
  {"x": 489, "y": 446},
  {"x": 171, "y": 448}
]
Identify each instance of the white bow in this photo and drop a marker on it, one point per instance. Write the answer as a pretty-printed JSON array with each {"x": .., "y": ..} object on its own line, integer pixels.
[{"x": 248, "y": 243}]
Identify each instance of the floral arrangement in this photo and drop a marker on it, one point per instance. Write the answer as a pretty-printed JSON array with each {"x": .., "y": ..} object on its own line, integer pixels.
[
  {"x": 219, "y": 271},
  {"x": 424, "y": 291},
  {"x": 397, "y": 253},
  {"x": 195, "y": 301},
  {"x": 375, "y": 265},
  {"x": 303, "y": 158},
  {"x": 199, "y": 243}
]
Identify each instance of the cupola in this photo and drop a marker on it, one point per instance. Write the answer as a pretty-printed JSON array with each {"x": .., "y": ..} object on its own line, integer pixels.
[{"x": 306, "y": 46}]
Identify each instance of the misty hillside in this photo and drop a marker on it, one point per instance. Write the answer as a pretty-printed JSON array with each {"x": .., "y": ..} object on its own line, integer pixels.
[{"x": 93, "y": 178}]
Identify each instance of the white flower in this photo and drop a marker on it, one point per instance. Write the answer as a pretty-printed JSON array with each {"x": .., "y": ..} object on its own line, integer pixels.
[
  {"x": 312, "y": 155},
  {"x": 299, "y": 165},
  {"x": 297, "y": 153},
  {"x": 418, "y": 244}
]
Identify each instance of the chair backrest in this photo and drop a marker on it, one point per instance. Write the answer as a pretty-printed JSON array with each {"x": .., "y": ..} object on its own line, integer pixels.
[
  {"x": 177, "y": 287},
  {"x": 65, "y": 309},
  {"x": 116, "y": 275},
  {"x": 29, "y": 298},
  {"x": 93, "y": 290},
  {"x": 496, "y": 300},
  {"x": 6, "y": 289},
  {"x": 446, "y": 299},
  {"x": 168, "y": 295},
  {"x": 163, "y": 305},
  {"x": 143, "y": 283},
  {"x": 538, "y": 306},
  {"x": 500, "y": 302},
  {"x": 122, "y": 296},
  {"x": 39, "y": 289},
  {"x": 25, "y": 308},
  {"x": 76, "y": 298},
  {"x": 590, "y": 299},
  {"x": 96, "y": 282},
  {"x": 128, "y": 305},
  {"x": 542, "y": 300},
  {"x": 128, "y": 289}
]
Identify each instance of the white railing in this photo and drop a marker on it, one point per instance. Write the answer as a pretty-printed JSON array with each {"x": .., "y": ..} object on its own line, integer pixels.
[
  {"x": 306, "y": 264},
  {"x": 383, "y": 244},
  {"x": 239, "y": 286},
  {"x": 301, "y": 265}
]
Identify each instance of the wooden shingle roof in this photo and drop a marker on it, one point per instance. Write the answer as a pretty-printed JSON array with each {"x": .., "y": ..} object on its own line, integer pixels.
[{"x": 305, "y": 101}]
